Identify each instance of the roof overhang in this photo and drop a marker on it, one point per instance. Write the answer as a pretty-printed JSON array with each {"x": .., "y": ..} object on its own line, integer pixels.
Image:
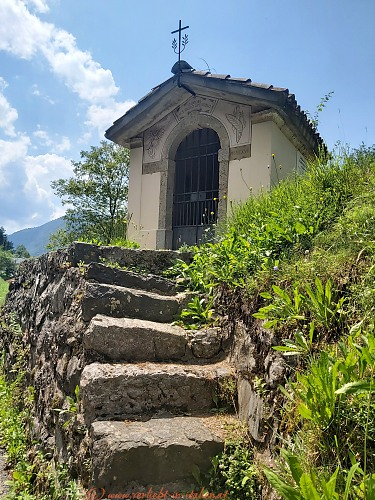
[{"x": 265, "y": 100}]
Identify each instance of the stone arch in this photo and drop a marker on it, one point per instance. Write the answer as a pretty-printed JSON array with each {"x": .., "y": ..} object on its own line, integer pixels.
[{"x": 191, "y": 122}]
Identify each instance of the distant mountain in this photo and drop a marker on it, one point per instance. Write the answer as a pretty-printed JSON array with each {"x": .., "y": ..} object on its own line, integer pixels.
[{"x": 35, "y": 239}]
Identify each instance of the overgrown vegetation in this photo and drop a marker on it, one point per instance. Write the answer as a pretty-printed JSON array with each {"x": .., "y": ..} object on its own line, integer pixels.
[
  {"x": 32, "y": 475},
  {"x": 3, "y": 290},
  {"x": 302, "y": 257}
]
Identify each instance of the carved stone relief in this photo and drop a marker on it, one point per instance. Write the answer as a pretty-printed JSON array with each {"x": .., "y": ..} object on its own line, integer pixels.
[
  {"x": 203, "y": 105},
  {"x": 236, "y": 119},
  {"x": 154, "y": 138}
]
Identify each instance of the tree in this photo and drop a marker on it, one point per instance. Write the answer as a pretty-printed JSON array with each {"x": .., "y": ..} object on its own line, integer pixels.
[
  {"x": 97, "y": 194},
  {"x": 5, "y": 244},
  {"x": 21, "y": 252},
  {"x": 7, "y": 264}
]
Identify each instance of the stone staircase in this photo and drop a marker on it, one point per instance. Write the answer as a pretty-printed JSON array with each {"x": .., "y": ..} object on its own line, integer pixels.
[{"x": 147, "y": 389}]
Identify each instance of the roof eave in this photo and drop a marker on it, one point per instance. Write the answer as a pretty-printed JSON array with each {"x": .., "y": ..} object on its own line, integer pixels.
[
  {"x": 165, "y": 97},
  {"x": 138, "y": 116}
]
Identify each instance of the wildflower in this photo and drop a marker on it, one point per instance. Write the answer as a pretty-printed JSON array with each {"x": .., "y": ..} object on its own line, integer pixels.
[
  {"x": 212, "y": 213},
  {"x": 275, "y": 268},
  {"x": 273, "y": 155}
]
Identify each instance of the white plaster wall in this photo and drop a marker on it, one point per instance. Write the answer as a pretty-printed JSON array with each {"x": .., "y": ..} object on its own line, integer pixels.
[
  {"x": 250, "y": 175},
  {"x": 286, "y": 156},
  {"x": 134, "y": 196},
  {"x": 149, "y": 219}
]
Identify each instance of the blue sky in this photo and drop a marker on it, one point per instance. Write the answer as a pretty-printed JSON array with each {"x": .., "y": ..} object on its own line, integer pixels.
[{"x": 69, "y": 68}]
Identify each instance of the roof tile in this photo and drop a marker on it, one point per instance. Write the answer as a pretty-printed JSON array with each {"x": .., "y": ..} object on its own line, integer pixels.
[{"x": 301, "y": 119}]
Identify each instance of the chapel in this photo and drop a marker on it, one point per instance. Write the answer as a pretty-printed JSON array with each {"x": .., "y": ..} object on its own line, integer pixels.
[{"x": 200, "y": 143}]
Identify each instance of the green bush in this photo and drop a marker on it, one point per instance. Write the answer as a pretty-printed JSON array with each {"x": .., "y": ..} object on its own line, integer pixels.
[
  {"x": 233, "y": 471},
  {"x": 7, "y": 264}
]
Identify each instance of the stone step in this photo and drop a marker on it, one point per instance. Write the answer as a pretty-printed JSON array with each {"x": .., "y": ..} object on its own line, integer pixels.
[
  {"x": 113, "y": 276},
  {"x": 128, "y": 339},
  {"x": 157, "y": 452},
  {"x": 119, "y": 302},
  {"x": 152, "y": 261},
  {"x": 116, "y": 391}
]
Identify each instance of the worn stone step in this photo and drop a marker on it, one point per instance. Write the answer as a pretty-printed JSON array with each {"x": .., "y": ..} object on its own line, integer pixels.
[
  {"x": 129, "y": 279},
  {"x": 115, "y": 391},
  {"x": 116, "y": 301},
  {"x": 128, "y": 339},
  {"x": 154, "y": 261},
  {"x": 157, "y": 452}
]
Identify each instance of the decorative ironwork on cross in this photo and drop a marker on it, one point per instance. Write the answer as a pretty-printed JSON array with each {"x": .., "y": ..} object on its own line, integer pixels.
[{"x": 182, "y": 41}]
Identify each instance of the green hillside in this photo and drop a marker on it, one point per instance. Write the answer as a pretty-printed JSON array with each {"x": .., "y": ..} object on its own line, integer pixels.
[
  {"x": 302, "y": 260},
  {"x": 35, "y": 239}
]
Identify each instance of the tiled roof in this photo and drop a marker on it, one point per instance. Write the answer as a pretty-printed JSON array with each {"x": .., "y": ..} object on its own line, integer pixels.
[{"x": 280, "y": 99}]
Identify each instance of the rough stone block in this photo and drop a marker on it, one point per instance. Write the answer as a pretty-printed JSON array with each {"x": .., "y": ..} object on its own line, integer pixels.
[
  {"x": 251, "y": 408},
  {"x": 120, "y": 302},
  {"x": 128, "y": 279},
  {"x": 128, "y": 339},
  {"x": 117, "y": 391},
  {"x": 206, "y": 343},
  {"x": 153, "y": 261},
  {"x": 155, "y": 452}
]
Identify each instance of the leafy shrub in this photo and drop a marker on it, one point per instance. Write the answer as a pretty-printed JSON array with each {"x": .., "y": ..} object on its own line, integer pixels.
[
  {"x": 320, "y": 309},
  {"x": 233, "y": 471}
]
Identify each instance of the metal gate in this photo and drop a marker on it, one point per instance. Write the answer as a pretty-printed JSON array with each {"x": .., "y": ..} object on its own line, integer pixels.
[{"x": 196, "y": 191}]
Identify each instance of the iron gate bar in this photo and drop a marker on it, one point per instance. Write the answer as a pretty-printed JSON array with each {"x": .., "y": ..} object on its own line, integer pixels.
[{"x": 196, "y": 186}]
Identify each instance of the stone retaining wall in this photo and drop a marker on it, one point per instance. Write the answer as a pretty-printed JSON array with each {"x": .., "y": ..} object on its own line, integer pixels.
[{"x": 46, "y": 299}]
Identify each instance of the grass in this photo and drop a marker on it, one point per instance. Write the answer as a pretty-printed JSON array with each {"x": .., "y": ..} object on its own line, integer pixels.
[
  {"x": 302, "y": 260},
  {"x": 33, "y": 476},
  {"x": 3, "y": 290}
]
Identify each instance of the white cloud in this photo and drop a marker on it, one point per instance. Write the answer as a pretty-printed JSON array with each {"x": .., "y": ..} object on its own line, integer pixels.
[
  {"x": 79, "y": 71},
  {"x": 101, "y": 117},
  {"x": 39, "y": 5},
  {"x": 56, "y": 145},
  {"x": 24, "y": 35},
  {"x": 41, "y": 170},
  {"x": 64, "y": 145},
  {"x": 8, "y": 115},
  {"x": 25, "y": 192},
  {"x": 43, "y": 137},
  {"x": 11, "y": 152}
]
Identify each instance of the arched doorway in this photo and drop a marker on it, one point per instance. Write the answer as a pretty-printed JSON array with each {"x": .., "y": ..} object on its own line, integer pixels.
[{"x": 196, "y": 187}]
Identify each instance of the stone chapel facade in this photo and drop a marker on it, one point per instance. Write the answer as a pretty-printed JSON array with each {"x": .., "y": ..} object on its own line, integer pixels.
[{"x": 200, "y": 143}]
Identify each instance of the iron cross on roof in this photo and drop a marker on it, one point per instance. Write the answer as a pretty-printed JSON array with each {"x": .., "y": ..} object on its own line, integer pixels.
[{"x": 181, "y": 41}]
